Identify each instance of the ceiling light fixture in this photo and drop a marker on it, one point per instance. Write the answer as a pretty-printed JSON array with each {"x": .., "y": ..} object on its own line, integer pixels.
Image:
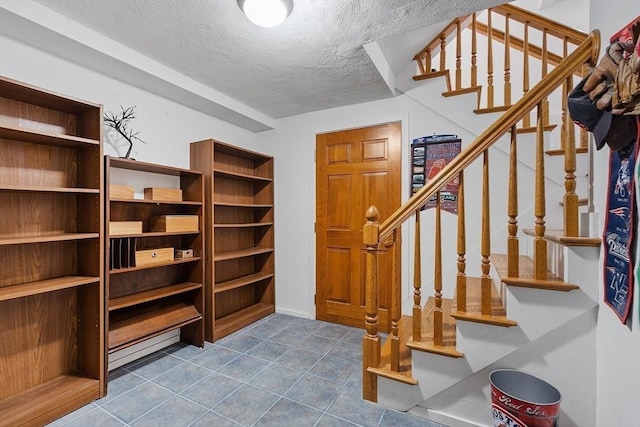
[{"x": 266, "y": 13}]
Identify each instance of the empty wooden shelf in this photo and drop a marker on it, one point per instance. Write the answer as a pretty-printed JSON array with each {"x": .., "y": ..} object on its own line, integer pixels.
[
  {"x": 240, "y": 281},
  {"x": 51, "y": 254}
]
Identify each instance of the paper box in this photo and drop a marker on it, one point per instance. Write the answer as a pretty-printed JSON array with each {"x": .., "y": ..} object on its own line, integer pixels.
[
  {"x": 117, "y": 191},
  {"x": 175, "y": 223},
  {"x": 163, "y": 194},
  {"x": 154, "y": 256},
  {"x": 184, "y": 253},
  {"x": 117, "y": 228}
]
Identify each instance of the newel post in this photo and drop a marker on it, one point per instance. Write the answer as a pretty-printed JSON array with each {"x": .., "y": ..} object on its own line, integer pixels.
[{"x": 371, "y": 340}]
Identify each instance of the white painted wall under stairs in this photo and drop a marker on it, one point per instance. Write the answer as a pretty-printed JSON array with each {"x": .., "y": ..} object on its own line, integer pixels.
[{"x": 556, "y": 334}]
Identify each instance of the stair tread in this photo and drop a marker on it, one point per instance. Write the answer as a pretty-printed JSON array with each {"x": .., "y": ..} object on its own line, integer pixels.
[
  {"x": 448, "y": 330},
  {"x": 560, "y": 151},
  {"x": 496, "y": 109},
  {"x": 455, "y": 92},
  {"x": 534, "y": 129},
  {"x": 431, "y": 75},
  {"x": 557, "y": 236},
  {"x": 473, "y": 312},
  {"x": 384, "y": 368},
  {"x": 525, "y": 269}
]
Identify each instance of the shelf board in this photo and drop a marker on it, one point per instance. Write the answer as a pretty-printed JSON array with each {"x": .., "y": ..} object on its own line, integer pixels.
[
  {"x": 244, "y": 205},
  {"x": 241, "y": 318},
  {"x": 243, "y": 176},
  {"x": 241, "y": 254},
  {"x": 142, "y": 326},
  {"x": 45, "y": 138},
  {"x": 135, "y": 165},
  {"x": 157, "y": 202},
  {"x": 46, "y": 238},
  {"x": 152, "y": 295},
  {"x": 45, "y": 402},
  {"x": 243, "y": 224},
  {"x": 72, "y": 190},
  {"x": 240, "y": 282},
  {"x": 42, "y": 286},
  {"x": 153, "y": 234},
  {"x": 160, "y": 264}
]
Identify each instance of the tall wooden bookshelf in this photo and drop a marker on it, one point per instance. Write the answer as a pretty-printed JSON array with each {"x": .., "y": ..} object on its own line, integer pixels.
[
  {"x": 240, "y": 282},
  {"x": 145, "y": 300},
  {"x": 51, "y": 254}
]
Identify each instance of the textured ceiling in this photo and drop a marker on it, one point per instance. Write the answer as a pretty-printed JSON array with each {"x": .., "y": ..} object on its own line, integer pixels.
[{"x": 313, "y": 61}]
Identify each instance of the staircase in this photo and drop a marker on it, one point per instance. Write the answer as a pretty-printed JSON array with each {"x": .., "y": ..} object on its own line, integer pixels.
[{"x": 510, "y": 296}]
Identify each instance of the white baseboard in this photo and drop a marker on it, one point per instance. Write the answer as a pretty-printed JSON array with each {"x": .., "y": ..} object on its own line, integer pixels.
[
  {"x": 441, "y": 418},
  {"x": 294, "y": 313},
  {"x": 129, "y": 354}
]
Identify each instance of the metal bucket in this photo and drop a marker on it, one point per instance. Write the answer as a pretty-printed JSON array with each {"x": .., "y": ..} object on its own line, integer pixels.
[{"x": 522, "y": 400}]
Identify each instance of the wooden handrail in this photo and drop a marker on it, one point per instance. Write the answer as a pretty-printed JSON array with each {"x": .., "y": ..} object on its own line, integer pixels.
[
  {"x": 552, "y": 27},
  {"x": 586, "y": 52}
]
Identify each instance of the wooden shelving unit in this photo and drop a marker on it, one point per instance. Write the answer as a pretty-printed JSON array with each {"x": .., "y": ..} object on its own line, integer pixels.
[
  {"x": 51, "y": 254},
  {"x": 148, "y": 300},
  {"x": 240, "y": 281}
]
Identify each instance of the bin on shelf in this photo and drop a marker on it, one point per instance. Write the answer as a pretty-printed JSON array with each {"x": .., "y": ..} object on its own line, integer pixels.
[{"x": 522, "y": 400}]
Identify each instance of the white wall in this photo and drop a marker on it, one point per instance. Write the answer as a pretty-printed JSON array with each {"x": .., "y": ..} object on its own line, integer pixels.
[
  {"x": 167, "y": 127},
  {"x": 293, "y": 142},
  {"x": 618, "y": 345}
]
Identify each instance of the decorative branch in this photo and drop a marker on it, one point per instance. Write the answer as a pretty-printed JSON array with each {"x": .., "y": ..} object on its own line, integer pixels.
[{"x": 119, "y": 123}]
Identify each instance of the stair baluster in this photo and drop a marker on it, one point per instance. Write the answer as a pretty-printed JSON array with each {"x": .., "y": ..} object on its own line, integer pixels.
[
  {"x": 371, "y": 340},
  {"x": 539, "y": 243},
  {"x": 513, "y": 246},
  {"x": 461, "y": 278},
  {"x": 474, "y": 52},
  {"x": 526, "y": 121},
  {"x": 417, "y": 283},
  {"x": 507, "y": 60},
  {"x": 395, "y": 308},
  {"x": 458, "y": 55},
  {"x": 489, "y": 61},
  {"x": 485, "y": 245},
  {"x": 437, "y": 276}
]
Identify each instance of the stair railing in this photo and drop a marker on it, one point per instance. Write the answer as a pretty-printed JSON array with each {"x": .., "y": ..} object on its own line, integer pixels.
[
  {"x": 375, "y": 234},
  {"x": 520, "y": 28}
]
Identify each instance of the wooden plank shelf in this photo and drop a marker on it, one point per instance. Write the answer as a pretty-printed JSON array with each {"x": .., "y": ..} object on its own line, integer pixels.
[
  {"x": 72, "y": 190},
  {"x": 154, "y": 234},
  {"x": 238, "y": 319},
  {"x": 45, "y": 402},
  {"x": 46, "y": 238},
  {"x": 42, "y": 286},
  {"x": 146, "y": 324},
  {"x": 244, "y": 224},
  {"x": 157, "y": 202},
  {"x": 244, "y": 205},
  {"x": 45, "y": 138},
  {"x": 241, "y": 254},
  {"x": 139, "y": 166},
  {"x": 235, "y": 175},
  {"x": 241, "y": 281},
  {"x": 160, "y": 264},
  {"x": 152, "y": 295}
]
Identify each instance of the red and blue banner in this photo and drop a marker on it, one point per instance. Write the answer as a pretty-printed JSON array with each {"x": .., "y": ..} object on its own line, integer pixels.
[{"x": 618, "y": 238}]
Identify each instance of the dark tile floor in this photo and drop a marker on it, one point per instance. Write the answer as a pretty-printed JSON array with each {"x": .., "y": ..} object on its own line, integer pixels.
[{"x": 280, "y": 371}]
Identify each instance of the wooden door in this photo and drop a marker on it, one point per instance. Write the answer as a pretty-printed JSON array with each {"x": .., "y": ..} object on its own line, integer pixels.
[{"x": 354, "y": 169}]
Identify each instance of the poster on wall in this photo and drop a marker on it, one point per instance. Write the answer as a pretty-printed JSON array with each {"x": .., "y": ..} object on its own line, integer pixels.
[{"x": 429, "y": 155}]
